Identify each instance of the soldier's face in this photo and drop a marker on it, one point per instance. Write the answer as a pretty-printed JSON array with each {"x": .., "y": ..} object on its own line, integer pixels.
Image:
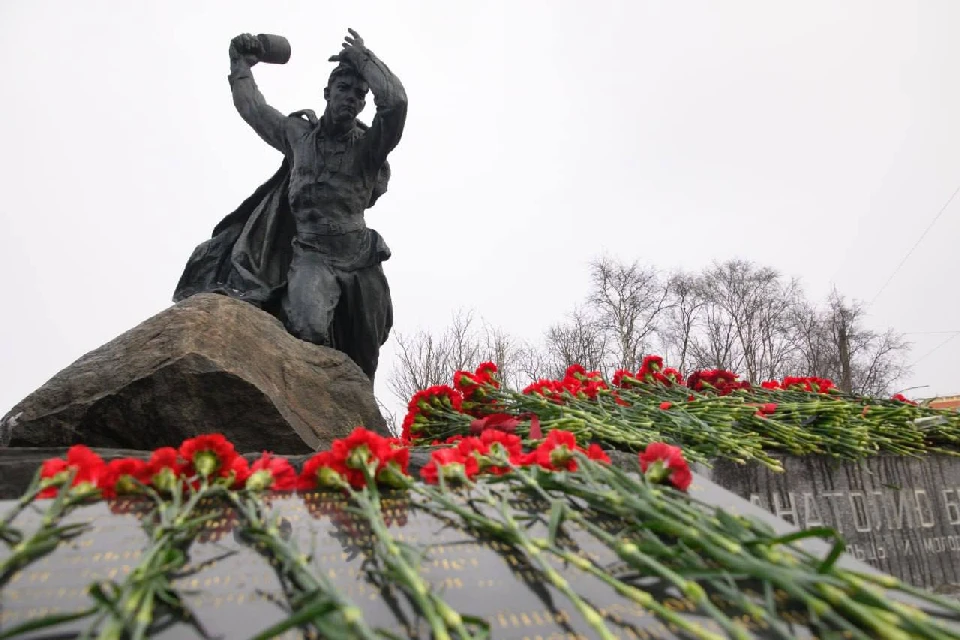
[{"x": 345, "y": 98}]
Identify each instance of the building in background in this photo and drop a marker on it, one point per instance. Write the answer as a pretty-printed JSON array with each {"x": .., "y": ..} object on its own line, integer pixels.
[{"x": 943, "y": 402}]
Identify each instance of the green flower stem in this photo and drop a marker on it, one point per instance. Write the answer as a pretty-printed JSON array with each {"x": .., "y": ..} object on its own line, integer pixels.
[
  {"x": 827, "y": 596},
  {"x": 343, "y": 619},
  {"x": 48, "y": 534},
  {"x": 632, "y": 555},
  {"x": 132, "y": 608},
  {"x": 401, "y": 562},
  {"x": 508, "y": 530}
]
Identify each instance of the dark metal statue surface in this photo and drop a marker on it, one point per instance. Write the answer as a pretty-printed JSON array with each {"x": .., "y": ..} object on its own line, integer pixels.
[{"x": 299, "y": 247}]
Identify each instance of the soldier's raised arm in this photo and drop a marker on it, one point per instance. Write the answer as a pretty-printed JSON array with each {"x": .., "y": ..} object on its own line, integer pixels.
[
  {"x": 389, "y": 97},
  {"x": 270, "y": 124}
]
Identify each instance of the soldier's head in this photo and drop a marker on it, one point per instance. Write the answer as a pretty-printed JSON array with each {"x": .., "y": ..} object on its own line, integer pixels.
[{"x": 345, "y": 94}]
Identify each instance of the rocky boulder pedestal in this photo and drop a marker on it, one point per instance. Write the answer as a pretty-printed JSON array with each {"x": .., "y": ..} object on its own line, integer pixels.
[{"x": 208, "y": 364}]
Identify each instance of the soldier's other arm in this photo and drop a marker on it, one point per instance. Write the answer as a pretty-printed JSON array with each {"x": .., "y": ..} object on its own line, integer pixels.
[
  {"x": 270, "y": 124},
  {"x": 389, "y": 97}
]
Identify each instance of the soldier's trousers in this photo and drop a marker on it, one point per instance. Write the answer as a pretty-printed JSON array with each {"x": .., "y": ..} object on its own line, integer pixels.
[{"x": 350, "y": 311}]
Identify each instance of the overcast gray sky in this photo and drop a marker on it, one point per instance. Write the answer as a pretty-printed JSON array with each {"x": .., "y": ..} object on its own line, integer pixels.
[{"x": 818, "y": 137}]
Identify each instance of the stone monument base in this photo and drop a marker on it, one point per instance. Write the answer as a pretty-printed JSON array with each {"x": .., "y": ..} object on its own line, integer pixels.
[{"x": 207, "y": 364}]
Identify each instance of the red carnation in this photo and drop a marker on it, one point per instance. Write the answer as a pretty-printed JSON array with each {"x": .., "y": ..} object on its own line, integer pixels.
[
  {"x": 509, "y": 443},
  {"x": 394, "y": 462},
  {"x": 666, "y": 405},
  {"x": 902, "y": 398},
  {"x": 452, "y": 464},
  {"x": 238, "y": 472},
  {"x": 661, "y": 461},
  {"x": 359, "y": 451},
  {"x": 122, "y": 475},
  {"x": 650, "y": 366},
  {"x": 208, "y": 455},
  {"x": 596, "y": 452},
  {"x": 425, "y": 403},
  {"x": 271, "y": 472},
  {"x": 487, "y": 373},
  {"x": 556, "y": 451},
  {"x": 89, "y": 467},
  {"x": 164, "y": 468},
  {"x": 323, "y": 470},
  {"x": 575, "y": 371},
  {"x": 623, "y": 378}
]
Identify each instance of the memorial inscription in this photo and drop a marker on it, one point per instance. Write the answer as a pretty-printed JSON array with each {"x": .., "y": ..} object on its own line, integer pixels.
[{"x": 900, "y": 515}]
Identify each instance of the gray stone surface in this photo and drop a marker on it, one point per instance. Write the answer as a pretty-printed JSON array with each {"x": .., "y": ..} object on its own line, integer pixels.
[
  {"x": 207, "y": 364},
  {"x": 235, "y": 593},
  {"x": 900, "y": 515}
]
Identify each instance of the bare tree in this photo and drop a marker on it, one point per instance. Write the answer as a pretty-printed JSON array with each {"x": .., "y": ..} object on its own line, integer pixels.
[
  {"x": 421, "y": 362},
  {"x": 735, "y": 315},
  {"x": 748, "y": 319},
  {"x": 835, "y": 343},
  {"x": 425, "y": 359},
  {"x": 681, "y": 318},
  {"x": 715, "y": 345},
  {"x": 534, "y": 362},
  {"x": 628, "y": 300},
  {"x": 579, "y": 340}
]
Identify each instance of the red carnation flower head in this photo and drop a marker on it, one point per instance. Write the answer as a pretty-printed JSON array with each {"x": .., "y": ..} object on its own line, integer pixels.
[
  {"x": 771, "y": 384},
  {"x": 325, "y": 471},
  {"x": 575, "y": 371},
  {"x": 505, "y": 445},
  {"x": 695, "y": 381},
  {"x": 86, "y": 465},
  {"x": 164, "y": 468},
  {"x": 767, "y": 409},
  {"x": 487, "y": 369},
  {"x": 899, "y": 397},
  {"x": 593, "y": 388},
  {"x": 665, "y": 405},
  {"x": 825, "y": 386},
  {"x": 669, "y": 377},
  {"x": 624, "y": 379},
  {"x": 556, "y": 452},
  {"x": 362, "y": 453},
  {"x": 550, "y": 389},
  {"x": 487, "y": 373},
  {"x": 209, "y": 454},
  {"x": 406, "y": 428},
  {"x": 650, "y": 365},
  {"x": 437, "y": 397},
  {"x": 465, "y": 382},
  {"x": 237, "y": 473},
  {"x": 596, "y": 452},
  {"x": 53, "y": 473},
  {"x": 663, "y": 462},
  {"x": 394, "y": 463},
  {"x": 124, "y": 476},
  {"x": 451, "y": 464},
  {"x": 427, "y": 403},
  {"x": 271, "y": 472}
]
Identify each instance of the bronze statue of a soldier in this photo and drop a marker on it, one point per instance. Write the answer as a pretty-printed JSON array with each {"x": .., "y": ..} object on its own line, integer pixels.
[{"x": 299, "y": 247}]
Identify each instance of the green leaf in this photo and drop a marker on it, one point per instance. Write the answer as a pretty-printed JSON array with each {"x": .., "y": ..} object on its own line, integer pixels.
[
  {"x": 556, "y": 517},
  {"x": 47, "y": 621}
]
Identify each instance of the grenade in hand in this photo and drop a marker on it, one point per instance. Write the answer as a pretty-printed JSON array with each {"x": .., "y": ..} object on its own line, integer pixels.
[{"x": 275, "y": 49}]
